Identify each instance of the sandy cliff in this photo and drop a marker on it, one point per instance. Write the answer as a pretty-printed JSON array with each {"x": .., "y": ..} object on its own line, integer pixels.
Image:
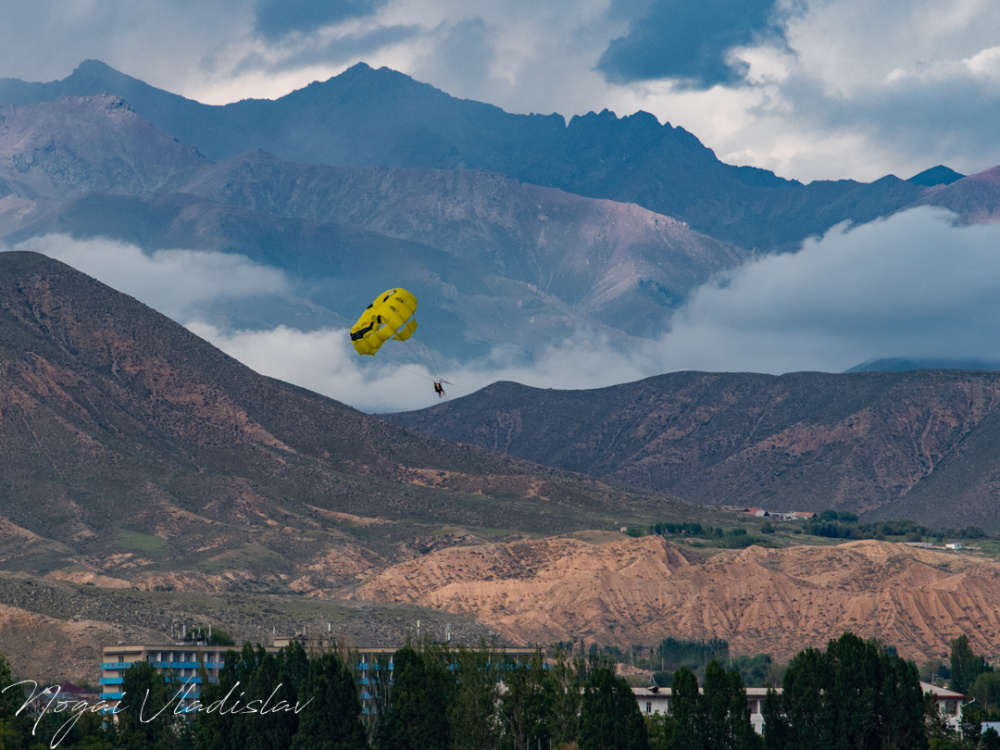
[{"x": 779, "y": 601}]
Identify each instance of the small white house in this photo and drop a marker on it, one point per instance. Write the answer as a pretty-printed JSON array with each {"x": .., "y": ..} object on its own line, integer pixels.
[
  {"x": 953, "y": 545},
  {"x": 949, "y": 702},
  {"x": 656, "y": 700}
]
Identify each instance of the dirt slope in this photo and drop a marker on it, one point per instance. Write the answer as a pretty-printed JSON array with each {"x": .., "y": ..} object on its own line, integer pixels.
[{"x": 777, "y": 601}]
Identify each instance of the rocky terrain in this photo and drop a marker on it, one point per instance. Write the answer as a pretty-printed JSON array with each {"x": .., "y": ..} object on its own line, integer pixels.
[{"x": 608, "y": 588}]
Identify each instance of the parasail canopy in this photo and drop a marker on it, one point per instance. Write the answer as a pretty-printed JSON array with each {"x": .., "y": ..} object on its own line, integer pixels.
[{"x": 390, "y": 316}]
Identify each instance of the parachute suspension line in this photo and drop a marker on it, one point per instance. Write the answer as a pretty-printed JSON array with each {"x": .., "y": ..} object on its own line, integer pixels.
[{"x": 428, "y": 358}]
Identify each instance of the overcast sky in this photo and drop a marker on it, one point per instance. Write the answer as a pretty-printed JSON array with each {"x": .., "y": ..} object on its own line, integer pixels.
[{"x": 809, "y": 88}]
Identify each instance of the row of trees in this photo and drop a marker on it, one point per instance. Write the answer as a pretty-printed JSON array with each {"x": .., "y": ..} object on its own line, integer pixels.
[
  {"x": 717, "y": 717},
  {"x": 831, "y": 524},
  {"x": 672, "y": 654},
  {"x": 432, "y": 698},
  {"x": 855, "y": 694}
]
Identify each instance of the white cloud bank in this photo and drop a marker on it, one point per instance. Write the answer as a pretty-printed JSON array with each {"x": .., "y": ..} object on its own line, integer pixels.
[
  {"x": 909, "y": 285},
  {"x": 912, "y": 285},
  {"x": 177, "y": 283}
]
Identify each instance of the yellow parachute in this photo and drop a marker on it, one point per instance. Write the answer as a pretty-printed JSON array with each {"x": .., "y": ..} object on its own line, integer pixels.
[{"x": 390, "y": 316}]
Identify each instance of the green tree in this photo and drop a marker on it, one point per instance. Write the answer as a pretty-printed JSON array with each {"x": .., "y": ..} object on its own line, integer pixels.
[
  {"x": 66, "y": 729},
  {"x": 901, "y": 702},
  {"x": 261, "y": 679},
  {"x": 148, "y": 720},
  {"x": 565, "y": 681},
  {"x": 972, "y": 718},
  {"x": 777, "y": 731},
  {"x": 378, "y": 677},
  {"x": 416, "y": 715},
  {"x": 989, "y": 740},
  {"x": 966, "y": 666},
  {"x": 610, "y": 717},
  {"x": 811, "y": 717},
  {"x": 727, "y": 725},
  {"x": 986, "y": 690},
  {"x": 15, "y": 730},
  {"x": 940, "y": 734},
  {"x": 660, "y": 729},
  {"x": 854, "y": 696},
  {"x": 254, "y": 679},
  {"x": 688, "y": 712},
  {"x": 527, "y": 705},
  {"x": 473, "y": 714},
  {"x": 331, "y": 707}
]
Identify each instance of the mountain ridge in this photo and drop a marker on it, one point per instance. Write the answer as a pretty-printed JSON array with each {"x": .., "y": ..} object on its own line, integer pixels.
[
  {"x": 356, "y": 119},
  {"x": 910, "y": 444}
]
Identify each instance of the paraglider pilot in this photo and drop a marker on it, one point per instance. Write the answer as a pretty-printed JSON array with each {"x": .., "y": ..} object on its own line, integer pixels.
[{"x": 438, "y": 388}]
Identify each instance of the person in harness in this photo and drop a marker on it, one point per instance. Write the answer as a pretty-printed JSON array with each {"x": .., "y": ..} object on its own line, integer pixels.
[{"x": 438, "y": 388}]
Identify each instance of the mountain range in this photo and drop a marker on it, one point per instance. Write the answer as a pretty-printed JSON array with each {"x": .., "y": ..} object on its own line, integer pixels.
[
  {"x": 135, "y": 455},
  {"x": 519, "y": 230},
  {"x": 367, "y": 117}
]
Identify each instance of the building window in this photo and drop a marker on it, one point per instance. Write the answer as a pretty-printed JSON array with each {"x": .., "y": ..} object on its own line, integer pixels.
[
  {"x": 649, "y": 707},
  {"x": 951, "y": 707}
]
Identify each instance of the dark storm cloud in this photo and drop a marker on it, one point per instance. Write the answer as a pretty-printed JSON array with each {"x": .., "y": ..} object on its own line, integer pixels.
[
  {"x": 687, "y": 40},
  {"x": 278, "y": 18}
]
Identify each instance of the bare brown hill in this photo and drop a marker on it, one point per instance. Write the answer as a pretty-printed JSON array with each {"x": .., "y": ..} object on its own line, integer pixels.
[
  {"x": 778, "y": 601},
  {"x": 132, "y": 448},
  {"x": 921, "y": 445}
]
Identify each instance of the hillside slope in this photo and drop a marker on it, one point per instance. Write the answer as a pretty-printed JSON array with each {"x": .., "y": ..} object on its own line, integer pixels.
[
  {"x": 128, "y": 444},
  {"x": 919, "y": 445}
]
